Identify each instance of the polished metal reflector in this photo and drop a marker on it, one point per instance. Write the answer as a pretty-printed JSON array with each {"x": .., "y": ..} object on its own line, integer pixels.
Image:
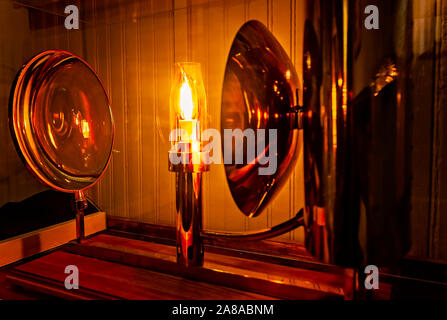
[
  {"x": 61, "y": 121},
  {"x": 259, "y": 92}
]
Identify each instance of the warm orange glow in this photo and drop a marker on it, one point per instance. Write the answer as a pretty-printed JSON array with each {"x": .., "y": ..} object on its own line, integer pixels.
[
  {"x": 187, "y": 105},
  {"x": 345, "y": 59},
  {"x": 196, "y": 146},
  {"x": 85, "y": 129},
  {"x": 308, "y": 61},
  {"x": 334, "y": 115},
  {"x": 50, "y": 134}
]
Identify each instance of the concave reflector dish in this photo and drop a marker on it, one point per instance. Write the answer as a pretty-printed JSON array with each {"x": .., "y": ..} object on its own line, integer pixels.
[
  {"x": 259, "y": 92},
  {"x": 61, "y": 121}
]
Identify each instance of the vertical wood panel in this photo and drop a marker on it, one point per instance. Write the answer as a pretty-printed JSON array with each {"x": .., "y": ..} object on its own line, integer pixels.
[
  {"x": 219, "y": 200},
  {"x": 181, "y": 30},
  {"x": 118, "y": 87},
  {"x": 163, "y": 29},
  {"x": 88, "y": 33},
  {"x": 148, "y": 125},
  {"x": 16, "y": 47},
  {"x": 102, "y": 34},
  {"x": 234, "y": 18},
  {"x": 198, "y": 34},
  {"x": 133, "y": 111}
]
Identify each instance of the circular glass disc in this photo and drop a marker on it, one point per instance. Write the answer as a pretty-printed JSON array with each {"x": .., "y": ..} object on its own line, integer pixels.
[{"x": 61, "y": 121}]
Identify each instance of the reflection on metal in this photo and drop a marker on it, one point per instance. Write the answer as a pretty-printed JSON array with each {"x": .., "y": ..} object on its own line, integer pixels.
[
  {"x": 260, "y": 92},
  {"x": 330, "y": 219},
  {"x": 278, "y": 230},
  {"x": 62, "y": 124},
  {"x": 387, "y": 74},
  {"x": 381, "y": 123},
  {"x": 356, "y": 133},
  {"x": 188, "y": 112}
]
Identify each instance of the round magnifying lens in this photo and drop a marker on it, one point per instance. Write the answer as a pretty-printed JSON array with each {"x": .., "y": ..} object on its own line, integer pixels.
[{"x": 61, "y": 121}]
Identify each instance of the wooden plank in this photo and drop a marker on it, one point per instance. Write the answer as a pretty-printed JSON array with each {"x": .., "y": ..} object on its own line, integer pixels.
[
  {"x": 256, "y": 276},
  {"x": 217, "y": 201},
  {"x": 41, "y": 240},
  {"x": 20, "y": 44},
  {"x": 49, "y": 287},
  {"x": 181, "y": 31},
  {"x": 103, "y": 53},
  {"x": 163, "y": 54},
  {"x": 132, "y": 78},
  {"x": 149, "y": 124},
  {"x": 8, "y": 292},
  {"x": 118, "y": 102},
  {"x": 117, "y": 280}
]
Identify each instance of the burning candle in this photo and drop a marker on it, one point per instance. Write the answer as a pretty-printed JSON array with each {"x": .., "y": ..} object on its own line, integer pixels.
[
  {"x": 188, "y": 124},
  {"x": 188, "y": 119},
  {"x": 188, "y": 110}
]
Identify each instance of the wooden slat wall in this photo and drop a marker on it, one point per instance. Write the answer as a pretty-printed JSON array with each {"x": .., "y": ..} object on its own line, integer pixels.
[
  {"x": 15, "y": 181},
  {"x": 133, "y": 46}
]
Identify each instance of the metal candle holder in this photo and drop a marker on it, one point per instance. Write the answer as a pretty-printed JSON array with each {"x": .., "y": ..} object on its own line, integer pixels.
[
  {"x": 188, "y": 181},
  {"x": 187, "y": 160}
]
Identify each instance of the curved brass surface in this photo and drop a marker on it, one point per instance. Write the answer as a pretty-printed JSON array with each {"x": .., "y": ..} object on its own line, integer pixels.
[
  {"x": 259, "y": 92},
  {"x": 61, "y": 121}
]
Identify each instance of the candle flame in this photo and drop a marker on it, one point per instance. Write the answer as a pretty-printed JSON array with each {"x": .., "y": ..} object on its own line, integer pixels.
[{"x": 186, "y": 101}]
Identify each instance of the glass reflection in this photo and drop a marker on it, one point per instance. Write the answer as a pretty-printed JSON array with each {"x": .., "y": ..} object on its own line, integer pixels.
[
  {"x": 61, "y": 120},
  {"x": 259, "y": 92}
]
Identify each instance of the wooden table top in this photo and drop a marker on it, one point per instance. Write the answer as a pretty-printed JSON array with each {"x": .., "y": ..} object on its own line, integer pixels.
[
  {"x": 126, "y": 282},
  {"x": 112, "y": 267}
]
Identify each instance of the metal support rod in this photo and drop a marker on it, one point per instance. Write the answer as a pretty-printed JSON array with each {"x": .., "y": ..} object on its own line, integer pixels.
[
  {"x": 190, "y": 248},
  {"x": 275, "y": 231},
  {"x": 80, "y": 205}
]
